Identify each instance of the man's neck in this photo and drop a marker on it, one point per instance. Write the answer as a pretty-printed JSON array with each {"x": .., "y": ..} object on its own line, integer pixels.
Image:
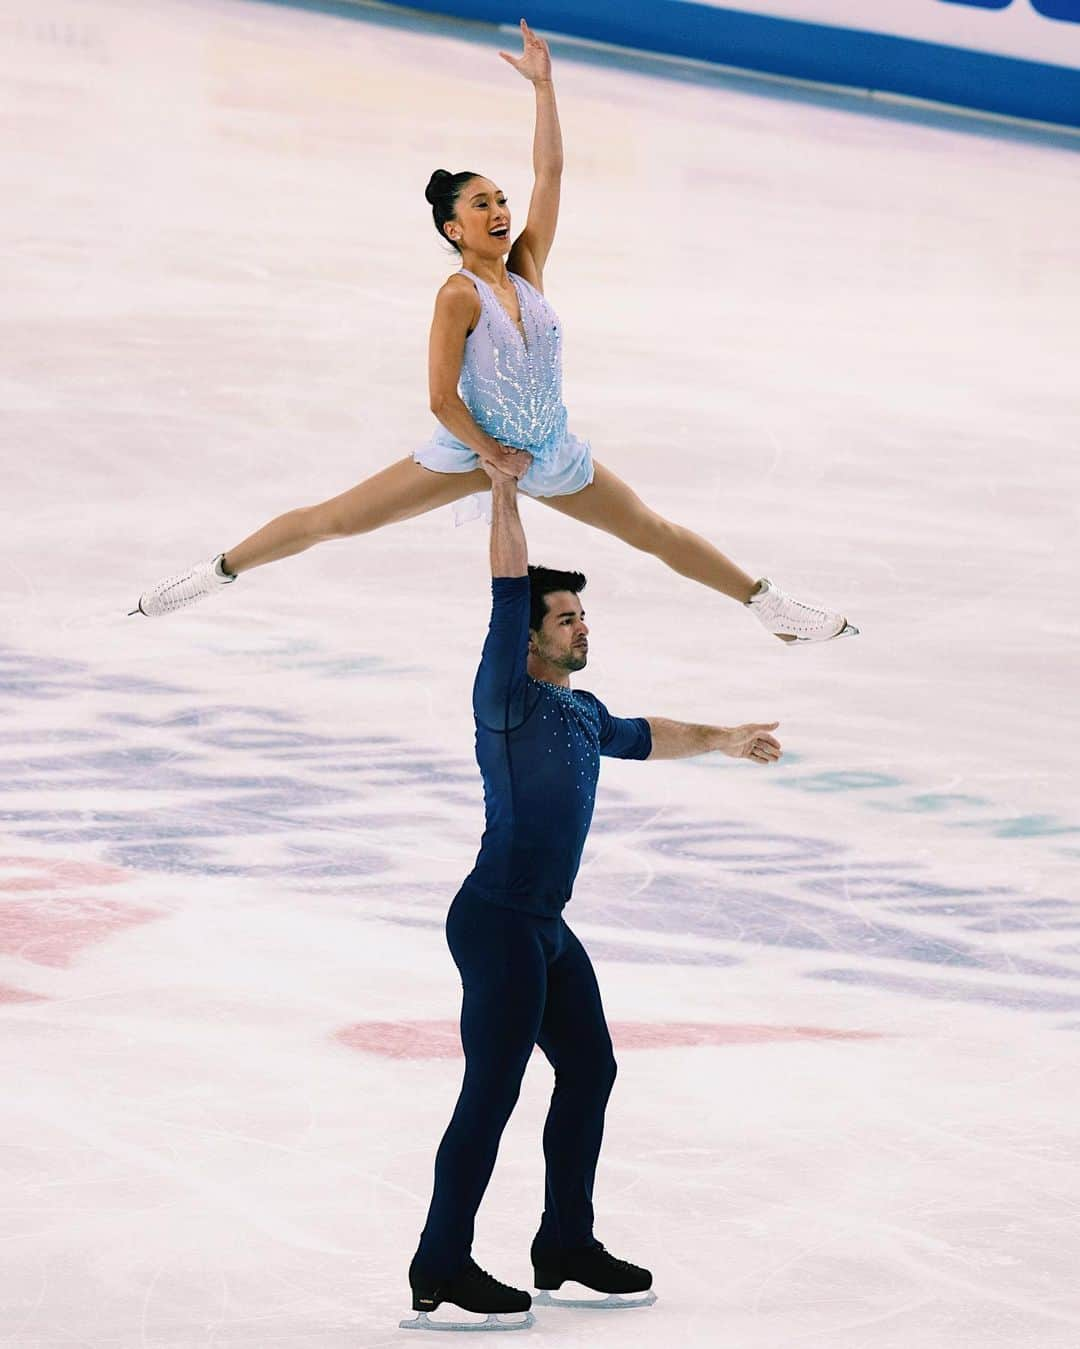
[{"x": 547, "y": 673}]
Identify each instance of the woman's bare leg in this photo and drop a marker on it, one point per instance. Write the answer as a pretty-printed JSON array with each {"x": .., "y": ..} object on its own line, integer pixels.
[
  {"x": 398, "y": 492},
  {"x": 609, "y": 504}
]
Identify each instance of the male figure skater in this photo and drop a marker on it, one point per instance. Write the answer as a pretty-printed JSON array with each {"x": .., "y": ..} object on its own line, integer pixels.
[{"x": 526, "y": 978}]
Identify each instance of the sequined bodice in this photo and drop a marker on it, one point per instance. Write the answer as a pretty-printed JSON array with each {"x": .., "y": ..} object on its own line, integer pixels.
[{"x": 512, "y": 384}]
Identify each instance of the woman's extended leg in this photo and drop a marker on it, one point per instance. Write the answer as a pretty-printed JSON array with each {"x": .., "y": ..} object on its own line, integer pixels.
[
  {"x": 398, "y": 492},
  {"x": 609, "y": 504}
]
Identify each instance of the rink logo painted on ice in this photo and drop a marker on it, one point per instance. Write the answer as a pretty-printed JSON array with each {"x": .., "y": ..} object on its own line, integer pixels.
[
  {"x": 886, "y": 791},
  {"x": 442, "y": 1040},
  {"x": 1068, "y": 11},
  {"x": 154, "y": 779},
  {"x": 44, "y": 923}
]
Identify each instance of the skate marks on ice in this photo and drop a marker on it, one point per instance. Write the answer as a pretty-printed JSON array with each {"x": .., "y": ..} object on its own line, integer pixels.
[{"x": 159, "y": 782}]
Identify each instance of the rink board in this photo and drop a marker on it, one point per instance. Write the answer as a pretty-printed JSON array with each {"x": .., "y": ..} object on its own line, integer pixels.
[{"x": 997, "y": 57}]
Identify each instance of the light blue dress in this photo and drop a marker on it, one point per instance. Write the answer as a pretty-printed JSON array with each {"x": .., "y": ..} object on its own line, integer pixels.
[{"x": 512, "y": 386}]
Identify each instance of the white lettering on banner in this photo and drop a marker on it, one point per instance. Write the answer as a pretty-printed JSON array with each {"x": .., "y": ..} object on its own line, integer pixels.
[{"x": 1017, "y": 28}]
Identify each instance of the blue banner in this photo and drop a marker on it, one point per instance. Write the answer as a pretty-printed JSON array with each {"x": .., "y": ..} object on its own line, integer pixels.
[{"x": 969, "y": 63}]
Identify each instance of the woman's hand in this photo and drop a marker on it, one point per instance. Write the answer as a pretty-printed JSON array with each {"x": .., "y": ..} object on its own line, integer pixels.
[{"x": 534, "y": 63}]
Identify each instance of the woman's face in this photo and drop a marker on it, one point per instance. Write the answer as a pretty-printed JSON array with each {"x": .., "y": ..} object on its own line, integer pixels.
[{"x": 481, "y": 222}]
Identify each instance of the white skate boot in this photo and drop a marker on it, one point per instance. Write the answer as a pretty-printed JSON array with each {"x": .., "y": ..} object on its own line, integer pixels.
[
  {"x": 177, "y": 592},
  {"x": 795, "y": 621}
]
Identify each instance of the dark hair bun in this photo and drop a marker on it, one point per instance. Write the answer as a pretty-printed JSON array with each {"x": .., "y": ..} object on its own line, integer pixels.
[
  {"x": 439, "y": 184},
  {"x": 442, "y": 192}
]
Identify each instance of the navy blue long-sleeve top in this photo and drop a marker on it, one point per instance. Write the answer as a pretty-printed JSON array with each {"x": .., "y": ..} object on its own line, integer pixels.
[{"x": 538, "y": 746}]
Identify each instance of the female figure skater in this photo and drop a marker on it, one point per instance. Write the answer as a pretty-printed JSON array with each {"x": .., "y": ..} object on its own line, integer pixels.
[{"x": 495, "y": 377}]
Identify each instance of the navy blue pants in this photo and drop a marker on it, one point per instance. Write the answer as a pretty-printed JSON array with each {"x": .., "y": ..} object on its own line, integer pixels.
[{"x": 526, "y": 981}]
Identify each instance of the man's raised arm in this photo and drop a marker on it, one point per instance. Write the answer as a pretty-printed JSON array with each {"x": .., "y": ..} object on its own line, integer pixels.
[
  {"x": 501, "y": 680},
  {"x": 509, "y": 551}
]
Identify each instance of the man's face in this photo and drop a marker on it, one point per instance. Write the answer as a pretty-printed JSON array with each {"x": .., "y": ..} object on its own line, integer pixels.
[{"x": 563, "y": 638}]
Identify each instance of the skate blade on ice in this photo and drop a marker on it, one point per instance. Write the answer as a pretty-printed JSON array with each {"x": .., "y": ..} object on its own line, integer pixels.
[
  {"x": 422, "y": 1321},
  {"x": 614, "y": 1301}
]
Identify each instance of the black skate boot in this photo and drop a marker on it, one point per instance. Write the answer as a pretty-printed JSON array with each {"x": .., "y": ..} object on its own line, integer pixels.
[
  {"x": 595, "y": 1268},
  {"x": 473, "y": 1290}
]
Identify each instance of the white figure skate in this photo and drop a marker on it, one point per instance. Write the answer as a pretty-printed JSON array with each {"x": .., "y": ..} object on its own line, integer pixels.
[
  {"x": 177, "y": 592},
  {"x": 794, "y": 620}
]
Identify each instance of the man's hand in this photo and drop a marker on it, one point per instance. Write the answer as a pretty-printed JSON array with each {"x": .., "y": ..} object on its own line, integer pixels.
[
  {"x": 752, "y": 741},
  {"x": 500, "y": 481},
  {"x": 510, "y": 464}
]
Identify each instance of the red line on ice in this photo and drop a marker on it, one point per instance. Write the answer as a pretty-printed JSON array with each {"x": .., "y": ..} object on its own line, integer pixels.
[{"x": 440, "y": 1040}]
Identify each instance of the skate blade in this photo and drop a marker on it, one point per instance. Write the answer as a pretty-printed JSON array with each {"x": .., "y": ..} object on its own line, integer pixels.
[
  {"x": 422, "y": 1321},
  {"x": 789, "y": 639},
  {"x": 613, "y": 1302}
]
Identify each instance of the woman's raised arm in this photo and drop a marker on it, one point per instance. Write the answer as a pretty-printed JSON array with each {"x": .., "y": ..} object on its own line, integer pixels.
[{"x": 533, "y": 244}]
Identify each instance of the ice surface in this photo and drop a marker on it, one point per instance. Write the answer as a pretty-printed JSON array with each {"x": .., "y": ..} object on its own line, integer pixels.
[{"x": 840, "y": 340}]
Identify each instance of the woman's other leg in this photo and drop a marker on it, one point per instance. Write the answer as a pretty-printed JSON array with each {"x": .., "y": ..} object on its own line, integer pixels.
[
  {"x": 609, "y": 504},
  {"x": 399, "y": 492}
]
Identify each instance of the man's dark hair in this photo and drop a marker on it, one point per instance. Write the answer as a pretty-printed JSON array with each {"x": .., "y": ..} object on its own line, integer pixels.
[{"x": 544, "y": 581}]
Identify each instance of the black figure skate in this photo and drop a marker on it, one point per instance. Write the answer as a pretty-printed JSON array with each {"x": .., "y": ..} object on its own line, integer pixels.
[
  {"x": 473, "y": 1290},
  {"x": 596, "y": 1269}
]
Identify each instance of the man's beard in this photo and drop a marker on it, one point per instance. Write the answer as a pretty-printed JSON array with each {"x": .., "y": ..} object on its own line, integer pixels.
[{"x": 574, "y": 659}]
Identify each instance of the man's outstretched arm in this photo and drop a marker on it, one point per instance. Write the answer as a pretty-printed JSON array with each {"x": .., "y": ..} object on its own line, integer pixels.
[{"x": 681, "y": 739}]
